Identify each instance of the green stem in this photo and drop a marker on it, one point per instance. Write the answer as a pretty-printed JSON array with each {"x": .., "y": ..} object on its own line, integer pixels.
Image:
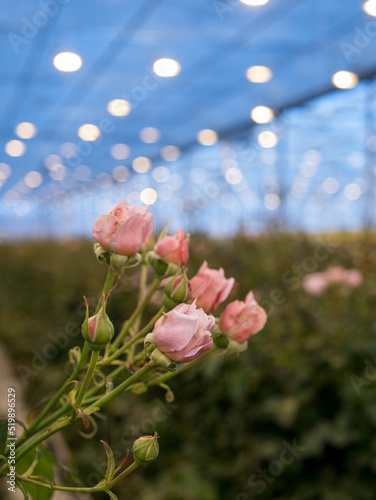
[
  {"x": 121, "y": 387},
  {"x": 141, "y": 293},
  {"x": 127, "y": 324},
  {"x": 59, "y": 488},
  {"x": 99, "y": 403},
  {"x": 87, "y": 380},
  {"x": 32, "y": 429},
  {"x": 121, "y": 476},
  {"x": 167, "y": 376},
  {"x": 134, "y": 339},
  {"x": 65, "y": 409},
  {"x": 33, "y": 443},
  {"x": 93, "y": 489},
  {"x": 111, "y": 275}
]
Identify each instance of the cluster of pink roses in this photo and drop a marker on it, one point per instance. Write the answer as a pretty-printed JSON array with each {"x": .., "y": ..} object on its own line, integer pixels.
[
  {"x": 316, "y": 283},
  {"x": 184, "y": 332}
]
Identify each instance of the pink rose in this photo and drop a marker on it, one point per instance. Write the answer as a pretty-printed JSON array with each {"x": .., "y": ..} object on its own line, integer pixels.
[
  {"x": 240, "y": 320},
  {"x": 212, "y": 287},
  {"x": 183, "y": 334},
  {"x": 315, "y": 284},
  {"x": 124, "y": 229},
  {"x": 173, "y": 249}
]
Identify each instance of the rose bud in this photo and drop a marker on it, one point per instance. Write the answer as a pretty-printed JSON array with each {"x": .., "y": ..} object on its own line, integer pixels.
[
  {"x": 176, "y": 291},
  {"x": 160, "y": 266},
  {"x": 145, "y": 449},
  {"x": 183, "y": 334},
  {"x": 98, "y": 329},
  {"x": 124, "y": 229},
  {"x": 240, "y": 319},
  {"x": 173, "y": 249},
  {"x": 210, "y": 287}
]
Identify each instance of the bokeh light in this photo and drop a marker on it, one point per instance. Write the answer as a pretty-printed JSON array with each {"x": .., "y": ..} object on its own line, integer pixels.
[
  {"x": 370, "y": 7},
  {"x": 26, "y": 130},
  {"x": 259, "y": 74},
  {"x": 150, "y": 135},
  {"x": 120, "y": 151},
  {"x": 67, "y": 62},
  {"x": 166, "y": 68},
  {"x": 148, "y": 196},
  {"x": 170, "y": 153},
  {"x": 207, "y": 137},
  {"x": 119, "y": 107},
  {"x": 262, "y": 114},
  {"x": 88, "y": 132},
  {"x": 15, "y": 148},
  {"x": 141, "y": 164},
  {"x": 267, "y": 139},
  {"x": 345, "y": 80}
]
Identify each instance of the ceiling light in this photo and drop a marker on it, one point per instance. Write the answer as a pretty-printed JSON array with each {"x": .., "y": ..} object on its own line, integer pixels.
[
  {"x": 161, "y": 174},
  {"x": 259, "y": 74},
  {"x": 120, "y": 151},
  {"x": 170, "y": 153},
  {"x": 345, "y": 79},
  {"x": 254, "y": 3},
  {"x": 88, "y": 132},
  {"x": 166, "y": 68},
  {"x": 120, "y": 173},
  {"x": 370, "y": 8},
  {"x": 33, "y": 179},
  {"x": 119, "y": 107},
  {"x": 26, "y": 130},
  {"x": 15, "y": 148},
  {"x": 150, "y": 135},
  {"x": 267, "y": 139},
  {"x": 148, "y": 196},
  {"x": 272, "y": 201},
  {"x": 262, "y": 114},
  {"x": 207, "y": 137},
  {"x": 67, "y": 62},
  {"x": 141, "y": 164}
]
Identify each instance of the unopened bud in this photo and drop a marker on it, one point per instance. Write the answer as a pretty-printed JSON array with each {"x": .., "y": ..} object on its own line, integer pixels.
[
  {"x": 160, "y": 359},
  {"x": 145, "y": 449},
  {"x": 176, "y": 291},
  {"x": 161, "y": 267},
  {"x": 98, "y": 329},
  {"x": 118, "y": 261}
]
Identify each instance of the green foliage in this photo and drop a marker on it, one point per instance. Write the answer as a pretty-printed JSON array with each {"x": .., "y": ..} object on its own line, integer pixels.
[{"x": 308, "y": 378}]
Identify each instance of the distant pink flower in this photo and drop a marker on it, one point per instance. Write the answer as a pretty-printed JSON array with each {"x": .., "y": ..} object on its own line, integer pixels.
[
  {"x": 354, "y": 277},
  {"x": 210, "y": 287},
  {"x": 183, "y": 334},
  {"x": 173, "y": 249},
  {"x": 315, "y": 284},
  {"x": 336, "y": 274},
  {"x": 124, "y": 229},
  {"x": 240, "y": 319}
]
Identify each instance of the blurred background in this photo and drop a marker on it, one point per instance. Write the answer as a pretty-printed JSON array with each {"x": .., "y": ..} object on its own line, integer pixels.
[{"x": 251, "y": 124}]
